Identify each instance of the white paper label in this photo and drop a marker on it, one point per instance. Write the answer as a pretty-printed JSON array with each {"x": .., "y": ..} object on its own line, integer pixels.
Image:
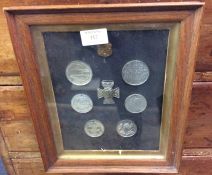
[{"x": 94, "y": 37}]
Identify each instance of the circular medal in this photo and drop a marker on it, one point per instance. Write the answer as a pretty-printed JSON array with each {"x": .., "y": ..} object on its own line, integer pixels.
[
  {"x": 135, "y": 72},
  {"x": 81, "y": 103},
  {"x": 79, "y": 73},
  {"x": 94, "y": 128},
  {"x": 126, "y": 128},
  {"x": 135, "y": 103}
]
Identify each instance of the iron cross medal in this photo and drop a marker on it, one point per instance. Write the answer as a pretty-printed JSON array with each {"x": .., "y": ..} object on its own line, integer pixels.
[{"x": 108, "y": 92}]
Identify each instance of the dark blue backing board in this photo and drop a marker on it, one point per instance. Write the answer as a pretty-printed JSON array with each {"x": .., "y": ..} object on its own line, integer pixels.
[{"x": 149, "y": 46}]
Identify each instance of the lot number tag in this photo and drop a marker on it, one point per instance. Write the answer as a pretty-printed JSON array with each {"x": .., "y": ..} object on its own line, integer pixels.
[{"x": 94, "y": 37}]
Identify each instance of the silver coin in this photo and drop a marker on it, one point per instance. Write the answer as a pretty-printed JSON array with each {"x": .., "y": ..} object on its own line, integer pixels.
[
  {"x": 135, "y": 103},
  {"x": 135, "y": 72},
  {"x": 81, "y": 103},
  {"x": 79, "y": 73},
  {"x": 94, "y": 128},
  {"x": 126, "y": 128}
]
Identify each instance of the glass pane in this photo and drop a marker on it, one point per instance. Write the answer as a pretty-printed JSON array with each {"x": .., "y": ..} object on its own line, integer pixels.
[{"x": 108, "y": 97}]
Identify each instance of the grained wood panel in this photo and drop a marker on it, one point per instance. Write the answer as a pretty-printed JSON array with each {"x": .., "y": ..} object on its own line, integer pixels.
[
  {"x": 208, "y": 12},
  {"x": 19, "y": 136},
  {"x": 10, "y": 81},
  {"x": 204, "y": 61},
  {"x": 192, "y": 166},
  {"x": 8, "y": 65},
  {"x": 203, "y": 77},
  {"x": 29, "y": 167},
  {"x": 199, "y": 132},
  {"x": 198, "y": 153},
  {"x": 28, "y": 163},
  {"x": 13, "y": 105}
]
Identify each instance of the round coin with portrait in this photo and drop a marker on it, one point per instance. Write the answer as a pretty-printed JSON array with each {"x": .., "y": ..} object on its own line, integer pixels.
[{"x": 126, "y": 128}]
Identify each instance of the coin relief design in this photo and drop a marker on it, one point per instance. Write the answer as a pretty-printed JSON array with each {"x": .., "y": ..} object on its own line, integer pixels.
[
  {"x": 126, "y": 128},
  {"x": 135, "y": 72},
  {"x": 135, "y": 103},
  {"x": 94, "y": 128},
  {"x": 79, "y": 73},
  {"x": 81, "y": 103}
]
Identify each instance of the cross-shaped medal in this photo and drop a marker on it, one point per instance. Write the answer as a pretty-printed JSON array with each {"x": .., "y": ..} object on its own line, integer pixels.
[{"x": 108, "y": 92}]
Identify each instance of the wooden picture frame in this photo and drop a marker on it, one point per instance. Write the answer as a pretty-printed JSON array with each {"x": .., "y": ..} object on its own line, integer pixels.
[{"x": 183, "y": 20}]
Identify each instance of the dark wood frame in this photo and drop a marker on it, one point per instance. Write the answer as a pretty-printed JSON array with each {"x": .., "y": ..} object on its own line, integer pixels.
[{"x": 187, "y": 15}]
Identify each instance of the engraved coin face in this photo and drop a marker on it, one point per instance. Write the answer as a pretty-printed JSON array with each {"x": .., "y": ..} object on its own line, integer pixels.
[
  {"x": 135, "y": 103},
  {"x": 126, "y": 128},
  {"x": 135, "y": 72},
  {"x": 79, "y": 73},
  {"x": 94, "y": 128},
  {"x": 81, "y": 103}
]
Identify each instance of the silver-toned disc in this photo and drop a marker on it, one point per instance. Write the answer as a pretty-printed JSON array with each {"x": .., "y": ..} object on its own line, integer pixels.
[
  {"x": 135, "y": 103},
  {"x": 81, "y": 103},
  {"x": 126, "y": 128},
  {"x": 79, "y": 73},
  {"x": 94, "y": 128},
  {"x": 135, "y": 72}
]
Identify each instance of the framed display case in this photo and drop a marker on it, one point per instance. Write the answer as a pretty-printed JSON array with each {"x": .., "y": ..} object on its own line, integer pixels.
[{"x": 108, "y": 85}]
